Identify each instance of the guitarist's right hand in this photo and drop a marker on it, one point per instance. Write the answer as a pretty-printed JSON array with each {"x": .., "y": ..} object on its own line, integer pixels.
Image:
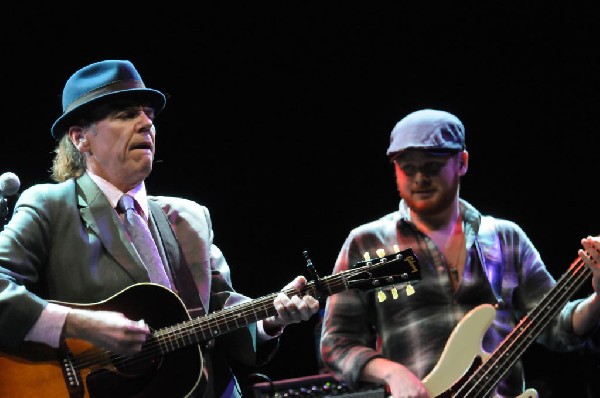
[
  {"x": 401, "y": 382},
  {"x": 108, "y": 330}
]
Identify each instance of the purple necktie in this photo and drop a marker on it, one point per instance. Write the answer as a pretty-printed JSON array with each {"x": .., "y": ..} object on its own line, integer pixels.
[{"x": 142, "y": 240}]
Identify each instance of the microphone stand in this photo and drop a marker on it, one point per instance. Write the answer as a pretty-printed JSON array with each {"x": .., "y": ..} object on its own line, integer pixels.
[{"x": 3, "y": 211}]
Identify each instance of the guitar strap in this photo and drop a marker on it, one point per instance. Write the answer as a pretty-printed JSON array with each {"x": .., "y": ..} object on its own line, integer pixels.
[
  {"x": 489, "y": 251},
  {"x": 183, "y": 280}
]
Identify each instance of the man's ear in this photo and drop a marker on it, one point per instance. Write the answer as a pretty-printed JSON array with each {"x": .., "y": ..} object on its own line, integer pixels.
[
  {"x": 77, "y": 137},
  {"x": 463, "y": 163}
]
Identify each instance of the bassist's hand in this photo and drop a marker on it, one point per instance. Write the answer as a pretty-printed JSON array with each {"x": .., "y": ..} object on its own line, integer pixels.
[
  {"x": 590, "y": 254},
  {"x": 107, "y": 330},
  {"x": 401, "y": 382},
  {"x": 586, "y": 315}
]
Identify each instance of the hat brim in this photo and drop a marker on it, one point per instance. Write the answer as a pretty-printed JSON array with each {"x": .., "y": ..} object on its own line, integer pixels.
[
  {"x": 154, "y": 97},
  {"x": 440, "y": 152}
]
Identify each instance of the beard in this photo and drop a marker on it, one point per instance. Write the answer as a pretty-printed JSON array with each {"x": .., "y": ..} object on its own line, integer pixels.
[{"x": 441, "y": 201}]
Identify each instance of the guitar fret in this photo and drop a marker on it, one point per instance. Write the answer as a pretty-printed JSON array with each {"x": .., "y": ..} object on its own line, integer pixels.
[
  {"x": 236, "y": 319},
  {"x": 180, "y": 340},
  {"x": 189, "y": 336},
  {"x": 171, "y": 342},
  {"x": 162, "y": 346}
]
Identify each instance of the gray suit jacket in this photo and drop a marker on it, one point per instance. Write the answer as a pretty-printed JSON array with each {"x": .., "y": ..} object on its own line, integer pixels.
[{"x": 64, "y": 242}]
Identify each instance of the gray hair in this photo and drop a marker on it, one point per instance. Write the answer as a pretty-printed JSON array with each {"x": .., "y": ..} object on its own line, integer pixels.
[{"x": 68, "y": 162}]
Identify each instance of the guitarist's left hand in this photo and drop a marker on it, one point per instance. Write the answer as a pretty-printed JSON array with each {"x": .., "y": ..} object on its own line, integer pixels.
[{"x": 292, "y": 309}]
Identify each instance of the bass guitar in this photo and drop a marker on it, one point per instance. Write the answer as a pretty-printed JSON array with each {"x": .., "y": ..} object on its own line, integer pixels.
[
  {"x": 170, "y": 363},
  {"x": 466, "y": 370}
]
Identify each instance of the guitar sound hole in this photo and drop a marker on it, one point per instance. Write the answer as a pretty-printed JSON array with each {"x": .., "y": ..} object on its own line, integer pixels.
[
  {"x": 129, "y": 377},
  {"x": 143, "y": 362}
]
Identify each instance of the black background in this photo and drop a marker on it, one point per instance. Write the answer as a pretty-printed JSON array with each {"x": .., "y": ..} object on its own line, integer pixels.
[{"x": 279, "y": 115}]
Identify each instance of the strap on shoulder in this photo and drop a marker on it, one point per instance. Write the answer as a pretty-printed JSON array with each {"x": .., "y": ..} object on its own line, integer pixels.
[{"x": 489, "y": 251}]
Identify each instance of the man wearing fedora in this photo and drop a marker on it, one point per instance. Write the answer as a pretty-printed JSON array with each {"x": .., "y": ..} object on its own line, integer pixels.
[{"x": 76, "y": 287}]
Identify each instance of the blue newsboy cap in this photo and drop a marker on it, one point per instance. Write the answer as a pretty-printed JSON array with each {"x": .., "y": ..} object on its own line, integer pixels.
[
  {"x": 98, "y": 81},
  {"x": 427, "y": 129}
]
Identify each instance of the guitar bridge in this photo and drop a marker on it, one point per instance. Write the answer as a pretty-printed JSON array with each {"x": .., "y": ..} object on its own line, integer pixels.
[{"x": 71, "y": 376}]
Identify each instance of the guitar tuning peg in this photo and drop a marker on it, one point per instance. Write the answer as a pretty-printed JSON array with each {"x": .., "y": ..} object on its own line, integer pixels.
[
  {"x": 381, "y": 296},
  {"x": 410, "y": 290},
  {"x": 396, "y": 249},
  {"x": 367, "y": 256},
  {"x": 394, "y": 292},
  {"x": 380, "y": 253}
]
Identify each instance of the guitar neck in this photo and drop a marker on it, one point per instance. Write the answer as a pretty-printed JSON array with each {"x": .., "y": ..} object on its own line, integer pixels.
[
  {"x": 399, "y": 268},
  {"x": 235, "y": 317},
  {"x": 244, "y": 314}
]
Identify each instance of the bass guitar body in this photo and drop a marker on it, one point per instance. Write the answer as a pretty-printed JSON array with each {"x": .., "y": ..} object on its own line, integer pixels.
[{"x": 462, "y": 354}]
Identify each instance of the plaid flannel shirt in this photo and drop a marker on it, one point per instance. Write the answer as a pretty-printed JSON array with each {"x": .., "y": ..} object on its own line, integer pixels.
[{"x": 413, "y": 330}]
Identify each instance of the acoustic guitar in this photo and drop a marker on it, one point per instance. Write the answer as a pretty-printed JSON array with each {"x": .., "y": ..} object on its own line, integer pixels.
[{"x": 170, "y": 363}]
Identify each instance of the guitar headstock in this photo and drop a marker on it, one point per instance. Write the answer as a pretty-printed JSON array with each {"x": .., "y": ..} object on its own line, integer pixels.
[{"x": 393, "y": 270}]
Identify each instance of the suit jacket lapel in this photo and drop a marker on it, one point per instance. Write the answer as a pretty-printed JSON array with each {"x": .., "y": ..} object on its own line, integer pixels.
[
  {"x": 183, "y": 281},
  {"x": 101, "y": 218},
  {"x": 164, "y": 238}
]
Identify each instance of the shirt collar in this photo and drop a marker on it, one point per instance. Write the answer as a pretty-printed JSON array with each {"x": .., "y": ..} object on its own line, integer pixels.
[
  {"x": 470, "y": 214},
  {"x": 113, "y": 194}
]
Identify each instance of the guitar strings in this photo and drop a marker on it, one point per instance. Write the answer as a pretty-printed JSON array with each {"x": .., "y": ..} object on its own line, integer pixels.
[
  {"x": 204, "y": 328},
  {"x": 529, "y": 327}
]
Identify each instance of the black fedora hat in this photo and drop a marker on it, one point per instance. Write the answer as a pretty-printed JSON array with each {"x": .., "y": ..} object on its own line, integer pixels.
[{"x": 98, "y": 81}]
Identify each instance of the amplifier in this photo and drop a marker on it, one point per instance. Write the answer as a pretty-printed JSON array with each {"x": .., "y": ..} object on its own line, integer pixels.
[{"x": 321, "y": 385}]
